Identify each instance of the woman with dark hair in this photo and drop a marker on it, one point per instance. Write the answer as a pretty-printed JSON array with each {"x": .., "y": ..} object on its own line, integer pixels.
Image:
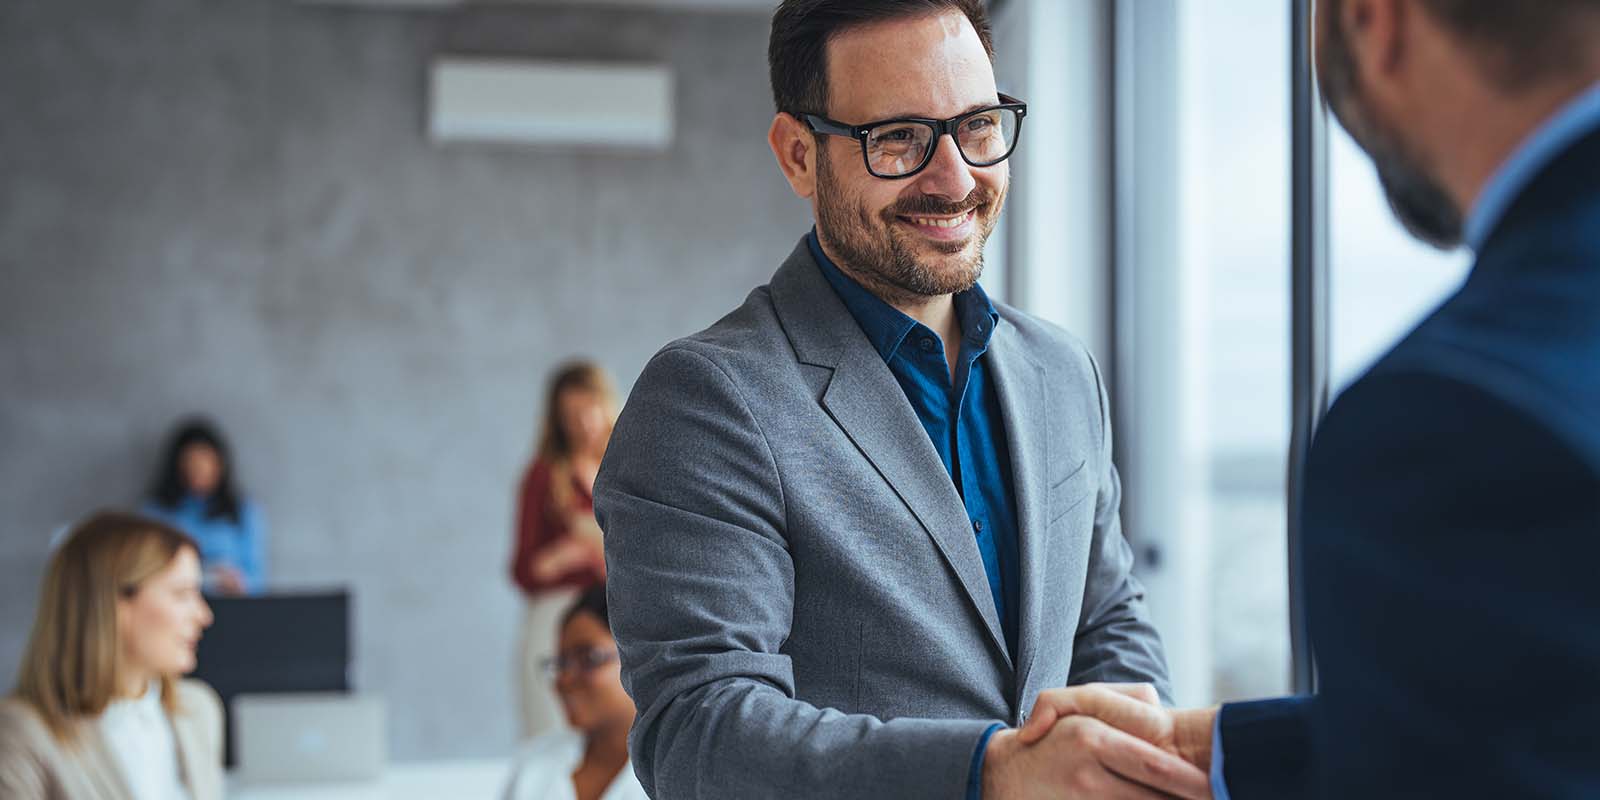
[
  {"x": 558, "y": 550},
  {"x": 195, "y": 492},
  {"x": 590, "y": 762}
]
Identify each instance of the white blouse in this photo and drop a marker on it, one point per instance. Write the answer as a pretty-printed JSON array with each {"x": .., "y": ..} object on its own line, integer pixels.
[
  {"x": 140, "y": 737},
  {"x": 543, "y": 771}
]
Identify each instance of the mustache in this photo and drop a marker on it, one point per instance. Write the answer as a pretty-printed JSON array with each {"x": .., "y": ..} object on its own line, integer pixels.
[{"x": 934, "y": 206}]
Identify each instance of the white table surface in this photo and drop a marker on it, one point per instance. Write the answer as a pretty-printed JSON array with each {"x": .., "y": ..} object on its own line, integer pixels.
[{"x": 483, "y": 779}]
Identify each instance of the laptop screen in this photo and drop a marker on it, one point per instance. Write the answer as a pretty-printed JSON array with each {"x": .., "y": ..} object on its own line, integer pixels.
[{"x": 276, "y": 643}]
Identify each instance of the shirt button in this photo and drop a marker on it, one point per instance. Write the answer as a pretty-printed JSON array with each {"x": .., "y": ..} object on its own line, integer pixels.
[
  {"x": 977, "y": 525},
  {"x": 927, "y": 345}
]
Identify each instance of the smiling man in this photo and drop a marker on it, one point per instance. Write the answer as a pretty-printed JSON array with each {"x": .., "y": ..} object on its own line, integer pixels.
[{"x": 854, "y": 528}]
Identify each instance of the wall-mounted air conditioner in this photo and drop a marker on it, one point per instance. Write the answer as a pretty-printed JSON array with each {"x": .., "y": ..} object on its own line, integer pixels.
[{"x": 551, "y": 103}]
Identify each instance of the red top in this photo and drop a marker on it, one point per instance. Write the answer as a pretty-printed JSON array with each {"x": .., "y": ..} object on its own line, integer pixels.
[{"x": 538, "y": 529}]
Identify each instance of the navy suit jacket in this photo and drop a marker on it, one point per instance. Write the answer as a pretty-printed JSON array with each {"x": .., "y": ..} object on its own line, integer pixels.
[{"x": 1452, "y": 540}]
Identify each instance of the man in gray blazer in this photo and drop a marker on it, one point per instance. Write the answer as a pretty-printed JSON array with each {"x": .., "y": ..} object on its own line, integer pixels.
[{"x": 854, "y": 528}]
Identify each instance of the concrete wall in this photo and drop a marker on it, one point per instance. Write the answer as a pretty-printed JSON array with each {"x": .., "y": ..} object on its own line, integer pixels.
[{"x": 229, "y": 206}]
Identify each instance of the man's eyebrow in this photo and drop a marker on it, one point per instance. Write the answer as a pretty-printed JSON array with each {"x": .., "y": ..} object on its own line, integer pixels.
[{"x": 965, "y": 111}]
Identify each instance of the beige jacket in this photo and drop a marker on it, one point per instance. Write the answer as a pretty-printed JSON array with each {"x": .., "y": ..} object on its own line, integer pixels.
[{"x": 34, "y": 766}]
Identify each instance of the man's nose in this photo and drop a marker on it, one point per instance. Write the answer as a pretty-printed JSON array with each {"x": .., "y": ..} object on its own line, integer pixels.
[{"x": 947, "y": 175}]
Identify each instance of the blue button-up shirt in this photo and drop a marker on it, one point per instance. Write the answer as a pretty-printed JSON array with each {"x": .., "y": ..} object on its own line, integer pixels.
[{"x": 963, "y": 420}]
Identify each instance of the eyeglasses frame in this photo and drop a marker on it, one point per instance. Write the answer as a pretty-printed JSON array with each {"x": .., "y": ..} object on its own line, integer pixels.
[
  {"x": 820, "y": 124},
  {"x": 558, "y": 665}
]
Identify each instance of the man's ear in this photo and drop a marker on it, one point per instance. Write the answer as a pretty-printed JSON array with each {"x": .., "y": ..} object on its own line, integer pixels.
[
  {"x": 1374, "y": 32},
  {"x": 796, "y": 150}
]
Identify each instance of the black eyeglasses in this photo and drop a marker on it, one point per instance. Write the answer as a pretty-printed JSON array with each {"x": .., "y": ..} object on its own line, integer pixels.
[
  {"x": 900, "y": 148},
  {"x": 582, "y": 661}
]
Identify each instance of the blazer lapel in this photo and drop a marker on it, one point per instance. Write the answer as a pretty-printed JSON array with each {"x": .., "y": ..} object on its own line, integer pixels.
[
  {"x": 1020, "y": 385},
  {"x": 866, "y": 402},
  {"x": 187, "y": 741}
]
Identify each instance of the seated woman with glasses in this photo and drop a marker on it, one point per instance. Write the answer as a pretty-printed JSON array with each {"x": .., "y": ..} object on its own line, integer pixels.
[
  {"x": 99, "y": 712},
  {"x": 590, "y": 762}
]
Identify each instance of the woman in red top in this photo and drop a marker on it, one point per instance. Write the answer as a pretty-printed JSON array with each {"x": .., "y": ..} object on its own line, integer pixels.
[{"x": 558, "y": 551}]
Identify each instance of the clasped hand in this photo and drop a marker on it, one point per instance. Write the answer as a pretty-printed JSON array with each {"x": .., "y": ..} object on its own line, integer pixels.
[{"x": 1102, "y": 741}]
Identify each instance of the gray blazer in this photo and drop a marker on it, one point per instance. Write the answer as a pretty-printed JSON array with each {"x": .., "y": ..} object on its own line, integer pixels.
[{"x": 794, "y": 584}]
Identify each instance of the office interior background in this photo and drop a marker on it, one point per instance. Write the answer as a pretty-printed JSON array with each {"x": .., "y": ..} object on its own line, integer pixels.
[{"x": 236, "y": 207}]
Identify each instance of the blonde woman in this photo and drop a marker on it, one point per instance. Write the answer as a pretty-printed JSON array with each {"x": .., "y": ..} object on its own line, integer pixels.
[
  {"x": 99, "y": 712},
  {"x": 558, "y": 549}
]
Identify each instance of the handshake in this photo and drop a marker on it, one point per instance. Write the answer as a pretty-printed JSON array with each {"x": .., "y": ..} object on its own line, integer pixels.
[{"x": 1102, "y": 740}]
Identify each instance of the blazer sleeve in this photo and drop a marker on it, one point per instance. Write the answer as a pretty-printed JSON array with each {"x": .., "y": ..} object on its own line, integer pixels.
[
  {"x": 534, "y": 531},
  {"x": 1450, "y": 538},
  {"x": 23, "y": 743},
  {"x": 1267, "y": 748},
  {"x": 701, "y": 589},
  {"x": 1115, "y": 640}
]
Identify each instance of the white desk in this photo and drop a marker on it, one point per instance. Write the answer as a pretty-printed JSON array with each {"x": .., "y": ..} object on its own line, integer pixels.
[{"x": 433, "y": 780}]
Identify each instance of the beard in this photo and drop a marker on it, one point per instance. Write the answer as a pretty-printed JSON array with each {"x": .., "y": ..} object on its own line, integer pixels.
[
  {"x": 1418, "y": 201},
  {"x": 883, "y": 258}
]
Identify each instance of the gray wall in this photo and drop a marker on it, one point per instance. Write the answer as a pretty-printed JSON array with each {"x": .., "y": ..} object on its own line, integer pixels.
[{"x": 229, "y": 206}]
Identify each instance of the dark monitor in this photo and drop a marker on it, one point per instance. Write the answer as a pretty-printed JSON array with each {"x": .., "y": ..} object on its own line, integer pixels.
[{"x": 276, "y": 643}]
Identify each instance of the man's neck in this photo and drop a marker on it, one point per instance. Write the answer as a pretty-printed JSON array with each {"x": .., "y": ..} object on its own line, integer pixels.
[{"x": 1471, "y": 155}]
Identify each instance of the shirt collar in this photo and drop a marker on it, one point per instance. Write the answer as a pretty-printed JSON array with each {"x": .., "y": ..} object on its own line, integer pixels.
[
  {"x": 886, "y": 326},
  {"x": 1574, "y": 121}
]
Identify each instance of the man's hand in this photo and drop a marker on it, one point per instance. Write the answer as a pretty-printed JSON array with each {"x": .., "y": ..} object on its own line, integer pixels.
[
  {"x": 1186, "y": 734},
  {"x": 1080, "y": 756}
]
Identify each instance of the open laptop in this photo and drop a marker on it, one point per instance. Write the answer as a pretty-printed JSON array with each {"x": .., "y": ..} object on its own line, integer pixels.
[
  {"x": 308, "y": 738},
  {"x": 280, "y": 642}
]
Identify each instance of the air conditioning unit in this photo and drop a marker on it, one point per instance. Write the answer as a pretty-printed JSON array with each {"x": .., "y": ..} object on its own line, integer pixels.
[{"x": 570, "y": 104}]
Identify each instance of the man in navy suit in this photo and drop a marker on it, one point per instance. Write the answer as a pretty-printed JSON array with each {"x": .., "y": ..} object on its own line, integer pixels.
[{"x": 1452, "y": 499}]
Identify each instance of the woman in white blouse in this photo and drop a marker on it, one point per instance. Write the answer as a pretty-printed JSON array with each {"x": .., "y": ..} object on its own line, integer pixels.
[
  {"x": 99, "y": 712},
  {"x": 589, "y": 762}
]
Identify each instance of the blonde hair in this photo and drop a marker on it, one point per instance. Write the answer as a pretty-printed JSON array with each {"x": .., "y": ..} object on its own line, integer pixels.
[
  {"x": 74, "y": 657},
  {"x": 554, "y": 448}
]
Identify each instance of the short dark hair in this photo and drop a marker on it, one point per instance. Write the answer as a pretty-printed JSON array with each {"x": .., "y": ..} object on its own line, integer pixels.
[
  {"x": 797, "y": 52},
  {"x": 592, "y": 600},
  {"x": 1526, "y": 41}
]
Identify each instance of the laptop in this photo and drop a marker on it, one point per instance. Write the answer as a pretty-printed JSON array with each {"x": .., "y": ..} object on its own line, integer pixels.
[
  {"x": 308, "y": 738},
  {"x": 283, "y": 642}
]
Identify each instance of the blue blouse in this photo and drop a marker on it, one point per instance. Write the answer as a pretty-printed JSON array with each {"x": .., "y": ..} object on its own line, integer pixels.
[{"x": 222, "y": 541}]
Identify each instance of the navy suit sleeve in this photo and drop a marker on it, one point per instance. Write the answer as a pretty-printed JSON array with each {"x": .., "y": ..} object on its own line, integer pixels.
[
  {"x": 1450, "y": 543},
  {"x": 1266, "y": 748}
]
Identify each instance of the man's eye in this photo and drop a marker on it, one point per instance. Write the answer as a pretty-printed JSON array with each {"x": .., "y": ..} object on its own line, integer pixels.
[{"x": 896, "y": 136}]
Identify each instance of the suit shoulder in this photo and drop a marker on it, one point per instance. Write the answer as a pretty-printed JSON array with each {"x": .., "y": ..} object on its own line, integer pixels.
[
  {"x": 749, "y": 336},
  {"x": 17, "y": 717},
  {"x": 1049, "y": 342},
  {"x": 23, "y": 733},
  {"x": 1409, "y": 407},
  {"x": 1533, "y": 367}
]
